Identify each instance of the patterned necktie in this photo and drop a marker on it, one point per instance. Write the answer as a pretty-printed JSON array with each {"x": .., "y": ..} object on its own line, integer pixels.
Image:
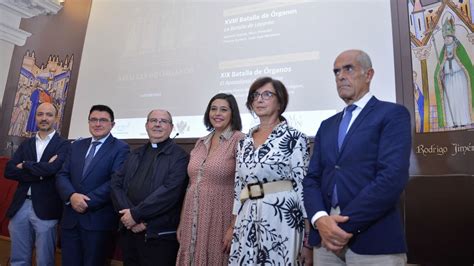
[
  {"x": 340, "y": 139},
  {"x": 90, "y": 156}
]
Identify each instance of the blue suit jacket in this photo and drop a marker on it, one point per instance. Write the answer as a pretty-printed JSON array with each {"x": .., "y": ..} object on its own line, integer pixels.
[
  {"x": 370, "y": 170},
  {"x": 95, "y": 184},
  {"x": 39, "y": 175}
]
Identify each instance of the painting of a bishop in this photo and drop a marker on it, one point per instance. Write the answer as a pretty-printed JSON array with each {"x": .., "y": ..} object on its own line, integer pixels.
[{"x": 454, "y": 76}]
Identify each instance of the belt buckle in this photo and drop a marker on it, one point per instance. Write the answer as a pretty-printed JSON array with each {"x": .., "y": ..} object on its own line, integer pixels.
[{"x": 261, "y": 193}]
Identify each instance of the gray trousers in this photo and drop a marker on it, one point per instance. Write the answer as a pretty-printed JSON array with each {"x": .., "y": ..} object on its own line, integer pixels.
[{"x": 323, "y": 257}]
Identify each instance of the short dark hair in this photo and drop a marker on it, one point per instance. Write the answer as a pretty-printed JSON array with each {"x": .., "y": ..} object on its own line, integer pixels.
[
  {"x": 102, "y": 108},
  {"x": 280, "y": 92},
  {"x": 235, "y": 121}
]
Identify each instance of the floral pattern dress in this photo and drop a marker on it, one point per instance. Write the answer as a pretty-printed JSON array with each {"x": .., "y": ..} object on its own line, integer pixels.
[{"x": 269, "y": 231}]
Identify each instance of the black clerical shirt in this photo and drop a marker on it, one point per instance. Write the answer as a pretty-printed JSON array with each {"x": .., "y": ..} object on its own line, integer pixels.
[{"x": 141, "y": 184}]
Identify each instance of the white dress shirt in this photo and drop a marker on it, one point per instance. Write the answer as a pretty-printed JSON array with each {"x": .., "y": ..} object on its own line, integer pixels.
[
  {"x": 102, "y": 140},
  {"x": 40, "y": 147}
]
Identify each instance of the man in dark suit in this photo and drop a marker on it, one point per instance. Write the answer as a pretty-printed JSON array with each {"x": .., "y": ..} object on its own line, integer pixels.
[
  {"x": 357, "y": 172},
  {"x": 36, "y": 206},
  {"x": 84, "y": 185},
  {"x": 148, "y": 191}
]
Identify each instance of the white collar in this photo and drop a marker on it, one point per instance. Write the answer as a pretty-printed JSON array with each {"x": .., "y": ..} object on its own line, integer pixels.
[
  {"x": 102, "y": 140},
  {"x": 48, "y": 137},
  {"x": 362, "y": 102}
]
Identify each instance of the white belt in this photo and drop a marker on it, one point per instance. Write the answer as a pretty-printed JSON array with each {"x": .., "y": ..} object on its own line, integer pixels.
[{"x": 258, "y": 190}]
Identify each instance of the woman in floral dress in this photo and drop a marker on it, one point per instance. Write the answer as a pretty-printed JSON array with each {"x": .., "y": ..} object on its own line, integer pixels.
[
  {"x": 271, "y": 163},
  {"x": 205, "y": 231}
]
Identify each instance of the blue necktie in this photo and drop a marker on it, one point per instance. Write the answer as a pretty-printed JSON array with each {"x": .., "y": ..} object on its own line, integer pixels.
[
  {"x": 340, "y": 139},
  {"x": 345, "y": 124},
  {"x": 90, "y": 156}
]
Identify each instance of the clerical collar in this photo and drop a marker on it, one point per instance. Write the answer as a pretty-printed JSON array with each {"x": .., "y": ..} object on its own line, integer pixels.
[{"x": 160, "y": 145}]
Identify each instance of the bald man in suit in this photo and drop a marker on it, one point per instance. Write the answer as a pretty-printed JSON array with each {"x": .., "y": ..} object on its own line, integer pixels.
[
  {"x": 357, "y": 172},
  {"x": 36, "y": 206}
]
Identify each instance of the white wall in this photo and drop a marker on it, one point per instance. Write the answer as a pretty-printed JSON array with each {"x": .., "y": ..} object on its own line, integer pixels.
[
  {"x": 6, "y": 51},
  {"x": 176, "y": 55}
]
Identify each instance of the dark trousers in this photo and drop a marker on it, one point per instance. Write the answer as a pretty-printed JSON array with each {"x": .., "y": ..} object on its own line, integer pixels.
[
  {"x": 137, "y": 250},
  {"x": 83, "y": 247}
]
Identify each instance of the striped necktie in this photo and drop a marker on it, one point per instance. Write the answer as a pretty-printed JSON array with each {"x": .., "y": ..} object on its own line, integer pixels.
[{"x": 90, "y": 156}]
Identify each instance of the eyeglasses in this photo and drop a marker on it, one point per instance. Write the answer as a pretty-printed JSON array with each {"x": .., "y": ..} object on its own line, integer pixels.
[
  {"x": 159, "y": 121},
  {"x": 266, "y": 95},
  {"x": 100, "y": 120}
]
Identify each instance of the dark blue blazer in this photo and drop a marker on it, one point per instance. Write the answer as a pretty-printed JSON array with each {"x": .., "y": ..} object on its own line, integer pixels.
[
  {"x": 370, "y": 170},
  {"x": 100, "y": 214},
  {"x": 39, "y": 175}
]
